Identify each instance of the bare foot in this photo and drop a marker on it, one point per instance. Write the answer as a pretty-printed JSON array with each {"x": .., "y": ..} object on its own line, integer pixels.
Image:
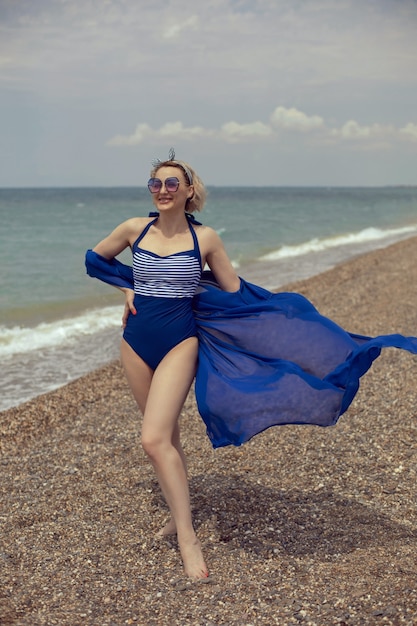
[
  {"x": 169, "y": 529},
  {"x": 193, "y": 559}
]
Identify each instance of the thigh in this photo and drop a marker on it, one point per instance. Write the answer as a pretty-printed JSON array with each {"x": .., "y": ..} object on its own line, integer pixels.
[
  {"x": 170, "y": 385},
  {"x": 138, "y": 374}
]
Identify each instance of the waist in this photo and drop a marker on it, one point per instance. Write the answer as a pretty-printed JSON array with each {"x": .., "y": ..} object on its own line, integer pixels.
[{"x": 183, "y": 302}]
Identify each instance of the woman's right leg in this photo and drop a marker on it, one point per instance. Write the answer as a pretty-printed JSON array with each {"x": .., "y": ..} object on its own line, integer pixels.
[{"x": 139, "y": 376}]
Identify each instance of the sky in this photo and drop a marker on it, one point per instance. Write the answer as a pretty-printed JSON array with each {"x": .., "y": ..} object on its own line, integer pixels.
[{"x": 249, "y": 92}]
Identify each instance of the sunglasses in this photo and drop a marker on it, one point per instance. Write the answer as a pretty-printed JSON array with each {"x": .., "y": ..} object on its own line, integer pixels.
[{"x": 171, "y": 184}]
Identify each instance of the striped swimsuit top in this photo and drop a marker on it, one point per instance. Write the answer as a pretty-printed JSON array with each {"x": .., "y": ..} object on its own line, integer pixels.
[{"x": 174, "y": 276}]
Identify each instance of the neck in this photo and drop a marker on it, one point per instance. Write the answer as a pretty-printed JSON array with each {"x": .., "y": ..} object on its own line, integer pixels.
[{"x": 171, "y": 223}]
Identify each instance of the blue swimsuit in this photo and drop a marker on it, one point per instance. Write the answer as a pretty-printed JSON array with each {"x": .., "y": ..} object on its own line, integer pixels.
[{"x": 164, "y": 290}]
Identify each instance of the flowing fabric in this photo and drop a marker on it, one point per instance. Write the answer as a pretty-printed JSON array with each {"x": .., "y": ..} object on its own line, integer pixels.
[{"x": 266, "y": 359}]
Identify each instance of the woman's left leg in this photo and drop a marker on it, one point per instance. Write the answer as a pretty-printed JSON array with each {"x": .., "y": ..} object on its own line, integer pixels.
[{"x": 160, "y": 440}]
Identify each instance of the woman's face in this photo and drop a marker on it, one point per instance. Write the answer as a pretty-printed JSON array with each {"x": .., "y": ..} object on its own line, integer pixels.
[{"x": 165, "y": 200}]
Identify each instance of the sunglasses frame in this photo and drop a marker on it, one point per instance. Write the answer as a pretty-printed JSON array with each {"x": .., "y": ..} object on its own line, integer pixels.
[{"x": 159, "y": 183}]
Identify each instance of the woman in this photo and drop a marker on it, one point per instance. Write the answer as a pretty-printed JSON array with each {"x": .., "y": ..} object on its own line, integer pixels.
[
  {"x": 264, "y": 359},
  {"x": 159, "y": 346}
]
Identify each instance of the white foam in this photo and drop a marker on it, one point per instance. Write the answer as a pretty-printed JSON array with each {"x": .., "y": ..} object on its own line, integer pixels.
[
  {"x": 19, "y": 340},
  {"x": 318, "y": 245}
]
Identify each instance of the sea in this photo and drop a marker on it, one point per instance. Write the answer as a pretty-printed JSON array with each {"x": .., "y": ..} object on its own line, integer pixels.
[{"x": 57, "y": 324}]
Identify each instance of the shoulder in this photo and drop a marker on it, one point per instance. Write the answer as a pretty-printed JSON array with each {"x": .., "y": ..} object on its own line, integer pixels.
[
  {"x": 208, "y": 236},
  {"x": 135, "y": 224},
  {"x": 206, "y": 232}
]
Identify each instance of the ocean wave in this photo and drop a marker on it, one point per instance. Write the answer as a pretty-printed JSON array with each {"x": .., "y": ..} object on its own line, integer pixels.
[
  {"x": 318, "y": 245},
  {"x": 19, "y": 340}
]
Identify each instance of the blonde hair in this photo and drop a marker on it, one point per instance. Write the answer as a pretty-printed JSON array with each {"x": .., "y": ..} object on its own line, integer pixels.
[{"x": 196, "y": 202}]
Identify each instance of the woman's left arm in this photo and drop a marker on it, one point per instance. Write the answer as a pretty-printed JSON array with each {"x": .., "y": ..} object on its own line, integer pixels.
[{"x": 218, "y": 261}]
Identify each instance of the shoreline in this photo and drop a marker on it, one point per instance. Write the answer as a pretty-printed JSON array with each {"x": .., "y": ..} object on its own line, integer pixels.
[
  {"x": 293, "y": 270},
  {"x": 299, "y": 525}
]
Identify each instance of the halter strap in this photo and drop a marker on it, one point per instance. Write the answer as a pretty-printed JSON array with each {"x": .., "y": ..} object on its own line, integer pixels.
[{"x": 190, "y": 217}]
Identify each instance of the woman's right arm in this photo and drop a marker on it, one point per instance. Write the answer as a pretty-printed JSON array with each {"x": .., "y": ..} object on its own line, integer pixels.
[
  {"x": 118, "y": 240},
  {"x": 121, "y": 238}
]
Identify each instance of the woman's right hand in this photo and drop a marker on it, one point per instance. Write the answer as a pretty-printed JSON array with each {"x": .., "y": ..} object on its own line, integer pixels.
[{"x": 129, "y": 306}]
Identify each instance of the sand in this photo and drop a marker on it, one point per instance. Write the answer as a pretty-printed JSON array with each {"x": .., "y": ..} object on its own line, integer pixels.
[{"x": 301, "y": 525}]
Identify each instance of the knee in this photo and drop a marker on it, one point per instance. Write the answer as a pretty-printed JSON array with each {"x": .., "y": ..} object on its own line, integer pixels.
[{"x": 152, "y": 446}]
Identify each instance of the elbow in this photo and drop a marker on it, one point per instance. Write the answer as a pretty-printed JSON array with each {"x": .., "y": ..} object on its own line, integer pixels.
[
  {"x": 231, "y": 285},
  {"x": 236, "y": 284}
]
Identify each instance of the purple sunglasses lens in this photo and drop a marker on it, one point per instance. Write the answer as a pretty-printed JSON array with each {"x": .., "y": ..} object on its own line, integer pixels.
[
  {"x": 154, "y": 185},
  {"x": 171, "y": 184}
]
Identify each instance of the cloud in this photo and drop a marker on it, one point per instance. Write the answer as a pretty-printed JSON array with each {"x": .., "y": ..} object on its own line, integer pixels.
[
  {"x": 234, "y": 132},
  {"x": 173, "y": 31},
  {"x": 410, "y": 130},
  {"x": 293, "y": 119},
  {"x": 282, "y": 120},
  {"x": 177, "y": 129},
  {"x": 170, "y": 130},
  {"x": 141, "y": 132},
  {"x": 351, "y": 130},
  {"x": 231, "y": 132}
]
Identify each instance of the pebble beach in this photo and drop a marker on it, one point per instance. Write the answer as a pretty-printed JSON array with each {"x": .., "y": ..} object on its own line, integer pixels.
[{"x": 301, "y": 525}]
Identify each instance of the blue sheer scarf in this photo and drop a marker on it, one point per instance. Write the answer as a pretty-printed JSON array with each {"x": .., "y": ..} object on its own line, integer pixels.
[{"x": 266, "y": 359}]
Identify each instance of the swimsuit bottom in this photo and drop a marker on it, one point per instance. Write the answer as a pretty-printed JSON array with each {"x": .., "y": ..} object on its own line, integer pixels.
[{"x": 158, "y": 326}]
